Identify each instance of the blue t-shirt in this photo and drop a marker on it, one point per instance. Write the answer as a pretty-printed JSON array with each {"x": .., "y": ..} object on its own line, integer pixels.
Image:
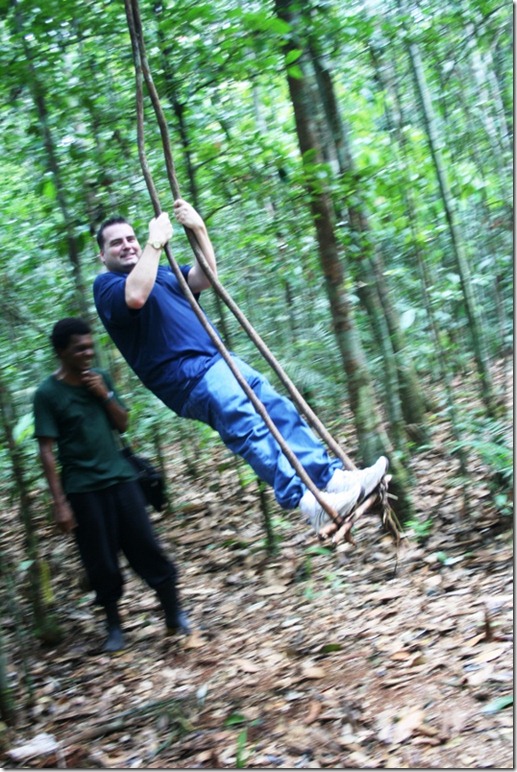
[{"x": 163, "y": 342}]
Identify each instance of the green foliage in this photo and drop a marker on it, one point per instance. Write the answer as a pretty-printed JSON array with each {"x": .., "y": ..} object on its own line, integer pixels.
[
  {"x": 500, "y": 703},
  {"x": 241, "y": 754},
  {"x": 220, "y": 71},
  {"x": 490, "y": 441},
  {"x": 24, "y": 428},
  {"x": 235, "y": 719},
  {"x": 420, "y": 528}
]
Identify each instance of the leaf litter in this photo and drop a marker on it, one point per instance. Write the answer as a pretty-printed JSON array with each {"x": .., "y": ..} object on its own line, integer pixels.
[{"x": 310, "y": 658}]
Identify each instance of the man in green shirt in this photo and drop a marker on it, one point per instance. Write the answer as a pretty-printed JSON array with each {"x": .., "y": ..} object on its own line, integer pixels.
[{"x": 93, "y": 487}]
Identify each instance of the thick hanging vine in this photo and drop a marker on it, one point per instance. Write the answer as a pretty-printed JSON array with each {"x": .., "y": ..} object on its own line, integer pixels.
[{"x": 339, "y": 526}]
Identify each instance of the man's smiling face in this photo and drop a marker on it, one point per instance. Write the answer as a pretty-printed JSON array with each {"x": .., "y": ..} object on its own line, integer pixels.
[{"x": 121, "y": 250}]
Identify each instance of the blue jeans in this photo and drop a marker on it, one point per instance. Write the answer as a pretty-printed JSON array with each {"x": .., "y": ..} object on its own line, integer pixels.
[{"x": 219, "y": 401}]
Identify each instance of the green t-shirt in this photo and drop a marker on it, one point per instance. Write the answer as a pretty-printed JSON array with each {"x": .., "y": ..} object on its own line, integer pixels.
[{"x": 88, "y": 450}]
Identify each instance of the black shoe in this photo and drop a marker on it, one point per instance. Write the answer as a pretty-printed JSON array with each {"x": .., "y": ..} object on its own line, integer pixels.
[
  {"x": 114, "y": 641},
  {"x": 176, "y": 620},
  {"x": 180, "y": 626}
]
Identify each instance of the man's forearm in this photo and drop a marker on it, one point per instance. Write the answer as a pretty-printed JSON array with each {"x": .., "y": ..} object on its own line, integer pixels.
[
  {"x": 51, "y": 474},
  {"x": 197, "y": 278},
  {"x": 207, "y": 249},
  {"x": 140, "y": 282},
  {"x": 117, "y": 414}
]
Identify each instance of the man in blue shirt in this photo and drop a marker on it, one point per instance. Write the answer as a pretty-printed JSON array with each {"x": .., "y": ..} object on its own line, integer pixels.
[{"x": 143, "y": 308}]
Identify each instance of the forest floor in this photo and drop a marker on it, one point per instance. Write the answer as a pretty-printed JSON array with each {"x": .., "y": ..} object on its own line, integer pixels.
[{"x": 361, "y": 657}]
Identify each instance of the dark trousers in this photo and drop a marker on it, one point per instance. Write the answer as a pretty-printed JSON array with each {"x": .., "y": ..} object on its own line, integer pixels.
[{"x": 111, "y": 520}]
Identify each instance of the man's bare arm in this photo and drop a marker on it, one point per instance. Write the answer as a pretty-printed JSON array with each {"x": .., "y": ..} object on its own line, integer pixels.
[
  {"x": 186, "y": 215},
  {"x": 63, "y": 514},
  {"x": 140, "y": 282}
]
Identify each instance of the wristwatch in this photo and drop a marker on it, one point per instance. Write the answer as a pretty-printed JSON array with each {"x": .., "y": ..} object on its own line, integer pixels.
[
  {"x": 109, "y": 396},
  {"x": 156, "y": 244}
]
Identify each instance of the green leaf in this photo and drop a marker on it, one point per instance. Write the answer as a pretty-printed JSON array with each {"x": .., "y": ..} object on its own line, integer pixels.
[
  {"x": 407, "y": 318},
  {"x": 498, "y": 704},
  {"x": 292, "y": 56},
  {"x": 328, "y": 648},
  {"x": 316, "y": 549},
  {"x": 49, "y": 190},
  {"x": 234, "y": 719},
  {"x": 23, "y": 428},
  {"x": 295, "y": 72}
]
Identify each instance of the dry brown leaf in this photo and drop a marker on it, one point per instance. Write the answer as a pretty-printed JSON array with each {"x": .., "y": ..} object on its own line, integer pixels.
[
  {"x": 194, "y": 641},
  {"x": 425, "y": 740},
  {"x": 314, "y": 711},
  {"x": 393, "y": 762},
  {"x": 408, "y": 722},
  {"x": 313, "y": 672},
  {"x": 388, "y": 594},
  {"x": 490, "y": 652},
  {"x": 477, "y": 639},
  {"x": 480, "y": 676},
  {"x": 417, "y": 660},
  {"x": 401, "y": 655},
  {"x": 248, "y": 665},
  {"x": 41, "y": 744},
  {"x": 400, "y": 680},
  {"x": 272, "y": 589}
]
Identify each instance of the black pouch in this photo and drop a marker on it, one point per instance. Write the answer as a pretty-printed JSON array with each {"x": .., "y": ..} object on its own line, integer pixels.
[{"x": 149, "y": 478}]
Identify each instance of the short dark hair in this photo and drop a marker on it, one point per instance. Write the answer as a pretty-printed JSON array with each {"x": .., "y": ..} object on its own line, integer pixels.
[
  {"x": 112, "y": 221},
  {"x": 65, "y": 328}
]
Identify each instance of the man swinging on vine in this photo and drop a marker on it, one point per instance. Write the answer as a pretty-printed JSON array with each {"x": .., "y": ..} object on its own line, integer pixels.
[{"x": 152, "y": 323}]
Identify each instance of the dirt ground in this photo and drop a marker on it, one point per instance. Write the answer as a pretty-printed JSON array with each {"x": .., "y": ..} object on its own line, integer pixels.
[{"x": 349, "y": 657}]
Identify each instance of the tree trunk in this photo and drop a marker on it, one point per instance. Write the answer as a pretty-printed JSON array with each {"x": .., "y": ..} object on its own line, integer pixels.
[
  {"x": 360, "y": 389},
  {"x": 477, "y": 339},
  {"x": 39, "y": 98},
  {"x": 371, "y": 276},
  {"x": 7, "y": 704},
  {"x": 45, "y": 624},
  {"x": 371, "y": 436}
]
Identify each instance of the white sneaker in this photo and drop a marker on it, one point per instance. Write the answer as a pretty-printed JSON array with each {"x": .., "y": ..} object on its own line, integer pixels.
[
  {"x": 343, "y": 502},
  {"x": 368, "y": 478}
]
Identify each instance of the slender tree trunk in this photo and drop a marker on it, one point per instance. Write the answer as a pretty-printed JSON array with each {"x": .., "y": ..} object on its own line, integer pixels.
[
  {"x": 489, "y": 103},
  {"x": 372, "y": 438},
  {"x": 7, "y": 703},
  {"x": 39, "y": 98},
  {"x": 45, "y": 624},
  {"x": 359, "y": 384},
  {"x": 441, "y": 367},
  {"x": 501, "y": 82},
  {"x": 371, "y": 277},
  {"x": 477, "y": 339}
]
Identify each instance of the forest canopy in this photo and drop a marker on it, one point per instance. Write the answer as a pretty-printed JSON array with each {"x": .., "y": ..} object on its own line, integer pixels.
[{"x": 353, "y": 164}]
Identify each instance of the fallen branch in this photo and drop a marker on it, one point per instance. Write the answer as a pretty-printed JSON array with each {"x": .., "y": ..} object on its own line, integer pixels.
[{"x": 127, "y": 717}]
